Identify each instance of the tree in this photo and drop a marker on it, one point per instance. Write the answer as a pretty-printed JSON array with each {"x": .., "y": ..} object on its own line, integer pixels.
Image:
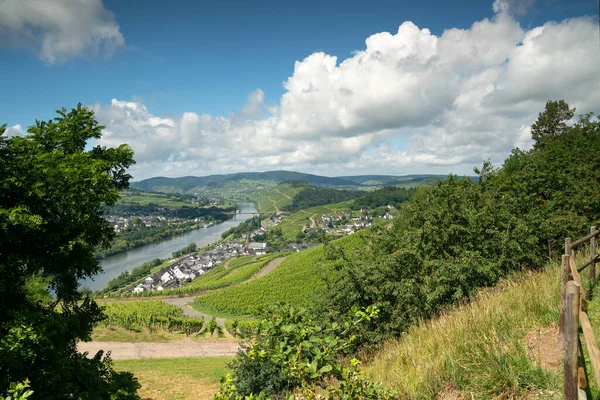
[
  {"x": 551, "y": 122},
  {"x": 53, "y": 187}
]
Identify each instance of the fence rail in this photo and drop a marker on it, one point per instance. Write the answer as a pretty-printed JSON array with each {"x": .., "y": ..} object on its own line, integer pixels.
[{"x": 573, "y": 314}]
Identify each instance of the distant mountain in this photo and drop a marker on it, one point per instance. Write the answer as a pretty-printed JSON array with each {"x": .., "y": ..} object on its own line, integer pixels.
[
  {"x": 187, "y": 183},
  {"x": 387, "y": 180}
]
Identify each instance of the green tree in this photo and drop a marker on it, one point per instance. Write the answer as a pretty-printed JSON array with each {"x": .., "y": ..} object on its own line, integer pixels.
[
  {"x": 551, "y": 122},
  {"x": 53, "y": 186},
  {"x": 212, "y": 325}
]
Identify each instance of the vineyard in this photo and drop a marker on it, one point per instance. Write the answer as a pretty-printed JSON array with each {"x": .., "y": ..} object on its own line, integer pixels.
[
  {"x": 153, "y": 315},
  {"x": 296, "y": 280},
  {"x": 281, "y": 194}
]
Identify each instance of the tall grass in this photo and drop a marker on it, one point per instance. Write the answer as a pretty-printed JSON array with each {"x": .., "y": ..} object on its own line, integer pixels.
[{"x": 478, "y": 350}]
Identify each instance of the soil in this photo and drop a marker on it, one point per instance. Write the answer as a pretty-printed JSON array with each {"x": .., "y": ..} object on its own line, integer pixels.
[
  {"x": 176, "y": 349},
  {"x": 545, "y": 348}
]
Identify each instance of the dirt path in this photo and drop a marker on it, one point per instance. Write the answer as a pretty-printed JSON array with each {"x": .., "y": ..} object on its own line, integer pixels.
[
  {"x": 226, "y": 263},
  {"x": 176, "y": 349},
  {"x": 188, "y": 311},
  {"x": 270, "y": 267},
  {"x": 313, "y": 223},
  {"x": 283, "y": 194},
  {"x": 277, "y": 210}
]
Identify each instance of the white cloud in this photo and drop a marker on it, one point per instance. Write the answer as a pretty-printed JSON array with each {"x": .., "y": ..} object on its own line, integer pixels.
[
  {"x": 16, "y": 130},
  {"x": 59, "y": 30},
  {"x": 451, "y": 101}
]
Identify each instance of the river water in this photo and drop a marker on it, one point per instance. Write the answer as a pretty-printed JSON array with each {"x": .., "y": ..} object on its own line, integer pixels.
[{"x": 113, "y": 266}]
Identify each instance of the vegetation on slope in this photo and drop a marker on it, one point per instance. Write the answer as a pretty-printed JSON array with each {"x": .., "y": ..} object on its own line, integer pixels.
[
  {"x": 299, "y": 281},
  {"x": 275, "y": 198},
  {"x": 455, "y": 237},
  {"x": 390, "y": 195},
  {"x": 479, "y": 348},
  {"x": 236, "y": 182},
  {"x": 313, "y": 196}
]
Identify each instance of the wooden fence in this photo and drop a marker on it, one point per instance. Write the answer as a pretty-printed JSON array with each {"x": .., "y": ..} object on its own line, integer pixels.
[{"x": 573, "y": 314}]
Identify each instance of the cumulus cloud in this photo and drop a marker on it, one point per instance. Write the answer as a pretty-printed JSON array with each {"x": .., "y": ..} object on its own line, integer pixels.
[
  {"x": 16, "y": 130},
  {"x": 410, "y": 101},
  {"x": 59, "y": 30}
]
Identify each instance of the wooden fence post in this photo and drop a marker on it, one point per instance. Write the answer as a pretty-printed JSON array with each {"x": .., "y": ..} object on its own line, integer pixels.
[
  {"x": 593, "y": 256},
  {"x": 571, "y": 385},
  {"x": 564, "y": 278}
]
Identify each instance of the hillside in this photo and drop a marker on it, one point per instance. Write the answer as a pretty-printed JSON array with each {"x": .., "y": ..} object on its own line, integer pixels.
[
  {"x": 273, "y": 200},
  {"x": 503, "y": 344},
  {"x": 238, "y": 182},
  {"x": 389, "y": 180},
  {"x": 244, "y": 183}
]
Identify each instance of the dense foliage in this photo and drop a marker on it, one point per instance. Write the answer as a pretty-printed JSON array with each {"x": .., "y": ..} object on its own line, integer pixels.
[
  {"x": 127, "y": 277},
  {"x": 292, "y": 354},
  {"x": 315, "y": 196},
  {"x": 389, "y": 195},
  {"x": 459, "y": 235},
  {"x": 190, "y": 248},
  {"x": 245, "y": 227},
  {"x": 52, "y": 189}
]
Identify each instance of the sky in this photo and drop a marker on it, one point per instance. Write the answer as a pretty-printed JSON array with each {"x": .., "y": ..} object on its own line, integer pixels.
[{"x": 325, "y": 87}]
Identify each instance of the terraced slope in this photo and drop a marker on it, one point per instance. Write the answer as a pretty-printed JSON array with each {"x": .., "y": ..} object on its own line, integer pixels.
[
  {"x": 273, "y": 199},
  {"x": 298, "y": 280}
]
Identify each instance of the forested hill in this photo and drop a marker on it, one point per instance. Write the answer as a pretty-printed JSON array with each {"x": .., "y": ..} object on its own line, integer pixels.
[
  {"x": 241, "y": 181},
  {"x": 391, "y": 180},
  {"x": 188, "y": 183}
]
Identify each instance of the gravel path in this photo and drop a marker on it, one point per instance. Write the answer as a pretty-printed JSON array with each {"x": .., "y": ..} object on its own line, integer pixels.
[{"x": 176, "y": 349}]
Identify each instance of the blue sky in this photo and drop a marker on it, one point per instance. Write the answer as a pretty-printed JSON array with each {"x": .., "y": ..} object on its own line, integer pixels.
[{"x": 208, "y": 57}]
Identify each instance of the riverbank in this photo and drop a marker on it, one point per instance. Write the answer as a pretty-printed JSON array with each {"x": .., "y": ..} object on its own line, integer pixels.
[{"x": 113, "y": 266}]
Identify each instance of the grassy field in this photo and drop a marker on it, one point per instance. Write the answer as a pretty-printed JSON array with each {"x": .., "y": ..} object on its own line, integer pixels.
[
  {"x": 487, "y": 349},
  {"x": 293, "y": 223},
  {"x": 177, "y": 378},
  {"x": 279, "y": 196}
]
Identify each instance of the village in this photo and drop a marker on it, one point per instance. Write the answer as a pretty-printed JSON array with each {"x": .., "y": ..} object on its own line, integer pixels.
[{"x": 185, "y": 269}]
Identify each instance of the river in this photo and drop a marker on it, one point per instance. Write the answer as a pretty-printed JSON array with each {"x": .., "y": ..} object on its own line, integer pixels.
[{"x": 113, "y": 266}]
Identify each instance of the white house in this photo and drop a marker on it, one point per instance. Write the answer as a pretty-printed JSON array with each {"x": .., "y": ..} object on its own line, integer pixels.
[{"x": 166, "y": 277}]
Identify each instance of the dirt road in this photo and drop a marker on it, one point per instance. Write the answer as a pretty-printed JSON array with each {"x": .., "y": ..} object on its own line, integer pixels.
[
  {"x": 270, "y": 267},
  {"x": 188, "y": 311},
  {"x": 176, "y": 349}
]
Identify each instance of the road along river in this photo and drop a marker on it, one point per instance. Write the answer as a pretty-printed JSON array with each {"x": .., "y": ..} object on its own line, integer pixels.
[{"x": 113, "y": 266}]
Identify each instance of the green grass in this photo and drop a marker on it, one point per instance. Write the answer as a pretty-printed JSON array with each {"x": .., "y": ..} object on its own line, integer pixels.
[
  {"x": 177, "y": 378},
  {"x": 479, "y": 350}
]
